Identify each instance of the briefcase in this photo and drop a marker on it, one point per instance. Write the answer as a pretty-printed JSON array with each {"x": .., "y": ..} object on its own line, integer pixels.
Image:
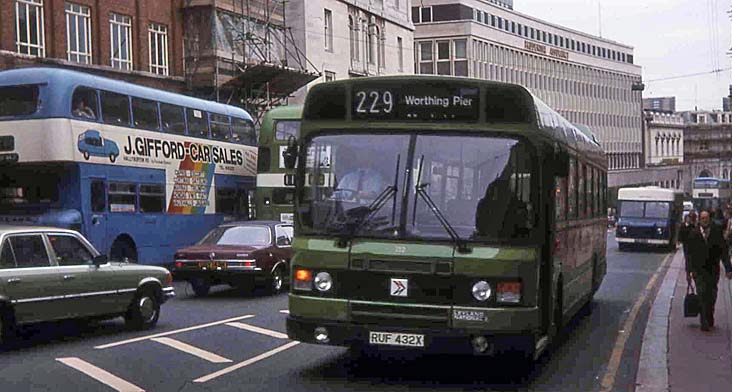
[{"x": 691, "y": 302}]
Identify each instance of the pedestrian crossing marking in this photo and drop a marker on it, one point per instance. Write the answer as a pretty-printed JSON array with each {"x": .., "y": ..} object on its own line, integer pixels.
[
  {"x": 100, "y": 375},
  {"x": 251, "y": 328},
  {"x": 193, "y": 350}
]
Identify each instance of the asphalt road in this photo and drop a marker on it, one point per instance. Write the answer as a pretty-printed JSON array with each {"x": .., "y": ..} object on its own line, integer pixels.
[{"x": 233, "y": 341}]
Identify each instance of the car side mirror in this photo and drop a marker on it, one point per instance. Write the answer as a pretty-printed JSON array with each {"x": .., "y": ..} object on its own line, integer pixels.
[
  {"x": 289, "y": 156},
  {"x": 100, "y": 260},
  {"x": 283, "y": 241}
]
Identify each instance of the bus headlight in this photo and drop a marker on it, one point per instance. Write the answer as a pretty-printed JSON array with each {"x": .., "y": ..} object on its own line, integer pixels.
[
  {"x": 482, "y": 291},
  {"x": 323, "y": 281}
]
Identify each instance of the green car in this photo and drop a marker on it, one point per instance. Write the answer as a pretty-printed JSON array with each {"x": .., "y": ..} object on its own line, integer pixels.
[{"x": 51, "y": 274}]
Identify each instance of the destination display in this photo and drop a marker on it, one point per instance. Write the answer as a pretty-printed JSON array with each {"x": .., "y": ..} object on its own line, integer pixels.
[{"x": 419, "y": 103}]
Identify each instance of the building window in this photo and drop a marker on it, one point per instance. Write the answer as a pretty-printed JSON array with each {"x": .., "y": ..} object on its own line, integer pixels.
[
  {"x": 328, "y": 29},
  {"x": 370, "y": 45},
  {"x": 380, "y": 47},
  {"x": 426, "y": 65},
  {"x": 158, "y": 35},
  {"x": 329, "y": 76},
  {"x": 353, "y": 38},
  {"x": 29, "y": 33},
  {"x": 461, "y": 57},
  {"x": 443, "y": 58},
  {"x": 400, "y": 53},
  {"x": 78, "y": 33},
  {"x": 120, "y": 29},
  {"x": 426, "y": 14}
]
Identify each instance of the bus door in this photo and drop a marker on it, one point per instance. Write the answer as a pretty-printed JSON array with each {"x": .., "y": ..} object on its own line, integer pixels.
[{"x": 95, "y": 217}]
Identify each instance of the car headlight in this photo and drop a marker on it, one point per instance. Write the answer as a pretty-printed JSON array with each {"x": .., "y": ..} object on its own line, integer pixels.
[
  {"x": 481, "y": 291},
  {"x": 323, "y": 281},
  {"x": 624, "y": 229},
  {"x": 659, "y": 230}
]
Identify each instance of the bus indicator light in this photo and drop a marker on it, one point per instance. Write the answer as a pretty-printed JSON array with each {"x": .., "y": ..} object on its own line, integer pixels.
[
  {"x": 509, "y": 292},
  {"x": 303, "y": 280}
]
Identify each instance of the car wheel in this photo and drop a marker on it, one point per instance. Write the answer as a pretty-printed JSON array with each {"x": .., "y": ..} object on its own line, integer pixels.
[
  {"x": 86, "y": 155},
  {"x": 144, "y": 310},
  {"x": 200, "y": 287},
  {"x": 276, "y": 281},
  {"x": 112, "y": 157}
]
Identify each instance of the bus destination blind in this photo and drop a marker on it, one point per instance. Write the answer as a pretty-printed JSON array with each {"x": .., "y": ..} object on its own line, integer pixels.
[{"x": 419, "y": 103}]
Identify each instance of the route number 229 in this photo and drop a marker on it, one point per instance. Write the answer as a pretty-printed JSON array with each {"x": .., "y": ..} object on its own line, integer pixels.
[{"x": 374, "y": 102}]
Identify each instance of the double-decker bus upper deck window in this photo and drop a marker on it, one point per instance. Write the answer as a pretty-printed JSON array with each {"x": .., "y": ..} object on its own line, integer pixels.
[
  {"x": 18, "y": 100},
  {"x": 243, "y": 131},
  {"x": 145, "y": 114},
  {"x": 115, "y": 108},
  {"x": 173, "y": 119},
  {"x": 122, "y": 197},
  {"x": 286, "y": 128},
  {"x": 220, "y": 129},
  {"x": 84, "y": 103},
  {"x": 197, "y": 123},
  {"x": 152, "y": 198}
]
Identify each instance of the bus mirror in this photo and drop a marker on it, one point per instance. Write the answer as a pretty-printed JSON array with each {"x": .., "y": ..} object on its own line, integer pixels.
[
  {"x": 561, "y": 163},
  {"x": 289, "y": 156}
]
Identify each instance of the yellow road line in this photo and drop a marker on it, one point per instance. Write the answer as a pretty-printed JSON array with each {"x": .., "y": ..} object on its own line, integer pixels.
[{"x": 608, "y": 381}]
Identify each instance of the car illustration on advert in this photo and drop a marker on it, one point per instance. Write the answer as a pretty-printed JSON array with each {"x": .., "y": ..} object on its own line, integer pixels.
[{"x": 91, "y": 143}]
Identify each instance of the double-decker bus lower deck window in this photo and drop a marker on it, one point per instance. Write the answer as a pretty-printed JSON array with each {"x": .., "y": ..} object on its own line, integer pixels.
[
  {"x": 283, "y": 196},
  {"x": 173, "y": 119},
  {"x": 482, "y": 186},
  {"x": 29, "y": 185},
  {"x": 122, "y": 197},
  {"x": 18, "y": 100},
  {"x": 145, "y": 113},
  {"x": 115, "y": 109},
  {"x": 152, "y": 198}
]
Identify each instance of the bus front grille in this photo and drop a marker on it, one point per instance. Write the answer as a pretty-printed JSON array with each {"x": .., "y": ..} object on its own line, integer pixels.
[{"x": 399, "y": 315}]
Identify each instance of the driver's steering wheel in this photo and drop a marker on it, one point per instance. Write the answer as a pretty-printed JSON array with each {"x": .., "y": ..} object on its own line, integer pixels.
[{"x": 345, "y": 194}]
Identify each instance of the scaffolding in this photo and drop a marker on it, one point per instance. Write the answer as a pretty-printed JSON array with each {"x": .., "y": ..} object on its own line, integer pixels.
[{"x": 242, "y": 52}]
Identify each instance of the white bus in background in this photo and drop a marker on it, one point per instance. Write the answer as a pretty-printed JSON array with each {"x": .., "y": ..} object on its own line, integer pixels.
[
  {"x": 709, "y": 193},
  {"x": 648, "y": 215}
]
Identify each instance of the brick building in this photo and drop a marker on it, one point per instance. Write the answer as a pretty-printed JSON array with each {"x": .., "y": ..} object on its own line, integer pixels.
[{"x": 133, "y": 40}]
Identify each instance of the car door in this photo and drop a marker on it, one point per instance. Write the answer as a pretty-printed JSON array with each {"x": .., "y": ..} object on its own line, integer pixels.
[
  {"x": 29, "y": 280},
  {"x": 89, "y": 290}
]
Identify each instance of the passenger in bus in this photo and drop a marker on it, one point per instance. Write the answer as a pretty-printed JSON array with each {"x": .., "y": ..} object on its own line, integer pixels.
[
  {"x": 706, "y": 249},
  {"x": 360, "y": 185},
  {"x": 81, "y": 109},
  {"x": 500, "y": 213}
]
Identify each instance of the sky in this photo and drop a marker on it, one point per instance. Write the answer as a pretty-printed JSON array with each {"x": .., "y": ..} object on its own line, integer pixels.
[{"x": 670, "y": 38}]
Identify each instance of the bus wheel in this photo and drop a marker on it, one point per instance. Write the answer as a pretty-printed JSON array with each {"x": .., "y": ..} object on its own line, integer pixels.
[
  {"x": 112, "y": 157},
  {"x": 123, "y": 249},
  {"x": 200, "y": 287},
  {"x": 86, "y": 155}
]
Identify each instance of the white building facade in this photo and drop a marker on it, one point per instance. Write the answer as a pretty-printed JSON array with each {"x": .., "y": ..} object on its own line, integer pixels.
[
  {"x": 352, "y": 38},
  {"x": 587, "y": 79},
  {"x": 664, "y": 139}
]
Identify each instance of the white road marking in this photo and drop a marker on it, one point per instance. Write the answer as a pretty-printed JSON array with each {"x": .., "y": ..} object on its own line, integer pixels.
[
  {"x": 100, "y": 375},
  {"x": 157, "y": 335},
  {"x": 274, "y": 334},
  {"x": 187, "y": 348},
  {"x": 285, "y": 311},
  {"x": 245, "y": 363}
]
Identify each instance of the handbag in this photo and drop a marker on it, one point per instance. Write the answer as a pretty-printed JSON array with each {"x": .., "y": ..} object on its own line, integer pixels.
[{"x": 692, "y": 304}]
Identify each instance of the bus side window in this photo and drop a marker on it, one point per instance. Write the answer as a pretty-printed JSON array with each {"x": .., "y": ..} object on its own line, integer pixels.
[
  {"x": 98, "y": 200},
  {"x": 561, "y": 199},
  {"x": 152, "y": 198},
  {"x": 220, "y": 129},
  {"x": 84, "y": 103},
  {"x": 173, "y": 119},
  {"x": 197, "y": 123},
  {"x": 122, "y": 197},
  {"x": 243, "y": 132},
  {"x": 145, "y": 114},
  {"x": 285, "y": 129},
  {"x": 115, "y": 108},
  {"x": 572, "y": 192}
]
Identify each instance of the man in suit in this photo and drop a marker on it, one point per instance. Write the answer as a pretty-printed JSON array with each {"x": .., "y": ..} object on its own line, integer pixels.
[
  {"x": 707, "y": 248},
  {"x": 690, "y": 224}
]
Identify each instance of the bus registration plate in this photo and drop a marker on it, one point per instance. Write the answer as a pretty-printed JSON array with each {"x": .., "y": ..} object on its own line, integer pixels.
[{"x": 396, "y": 339}]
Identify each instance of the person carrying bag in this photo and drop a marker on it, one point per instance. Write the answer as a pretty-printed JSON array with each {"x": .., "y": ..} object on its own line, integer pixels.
[{"x": 692, "y": 304}]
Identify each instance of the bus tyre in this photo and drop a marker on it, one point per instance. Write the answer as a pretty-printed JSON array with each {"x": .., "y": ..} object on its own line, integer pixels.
[
  {"x": 200, "y": 287},
  {"x": 144, "y": 310},
  {"x": 86, "y": 155},
  {"x": 276, "y": 281},
  {"x": 112, "y": 158}
]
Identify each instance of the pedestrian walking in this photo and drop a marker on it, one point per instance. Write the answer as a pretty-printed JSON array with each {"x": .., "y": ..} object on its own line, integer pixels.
[
  {"x": 690, "y": 224},
  {"x": 706, "y": 248}
]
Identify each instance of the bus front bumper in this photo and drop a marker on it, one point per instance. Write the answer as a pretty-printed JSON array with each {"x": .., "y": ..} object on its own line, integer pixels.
[
  {"x": 650, "y": 241},
  {"x": 432, "y": 340}
]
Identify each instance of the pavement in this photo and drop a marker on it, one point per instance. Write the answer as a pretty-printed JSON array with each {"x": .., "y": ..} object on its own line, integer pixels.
[{"x": 676, "y": 354}]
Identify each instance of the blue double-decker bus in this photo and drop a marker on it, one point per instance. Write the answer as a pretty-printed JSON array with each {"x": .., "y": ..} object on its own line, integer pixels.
[{"x": 138, "y": 171}]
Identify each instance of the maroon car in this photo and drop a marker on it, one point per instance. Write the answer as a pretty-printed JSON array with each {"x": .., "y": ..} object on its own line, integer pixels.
[{"x": 241, "y": 254}]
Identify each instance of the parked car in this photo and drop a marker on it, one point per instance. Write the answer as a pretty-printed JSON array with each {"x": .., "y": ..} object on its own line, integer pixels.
[
  {"x": 240, "y": 254},
  {"x": 50, "y": 274}
]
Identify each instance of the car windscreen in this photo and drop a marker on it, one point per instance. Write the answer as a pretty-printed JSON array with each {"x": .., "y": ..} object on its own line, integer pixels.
[
  {"x": 237, "y": 235},
  {"x": 631, "y": 209}
]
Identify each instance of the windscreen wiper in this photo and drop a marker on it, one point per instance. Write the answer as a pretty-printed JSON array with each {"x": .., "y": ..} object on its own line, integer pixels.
[
  {"x": 362, "y": 215},
  {"x": 420, "y": 191}
]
